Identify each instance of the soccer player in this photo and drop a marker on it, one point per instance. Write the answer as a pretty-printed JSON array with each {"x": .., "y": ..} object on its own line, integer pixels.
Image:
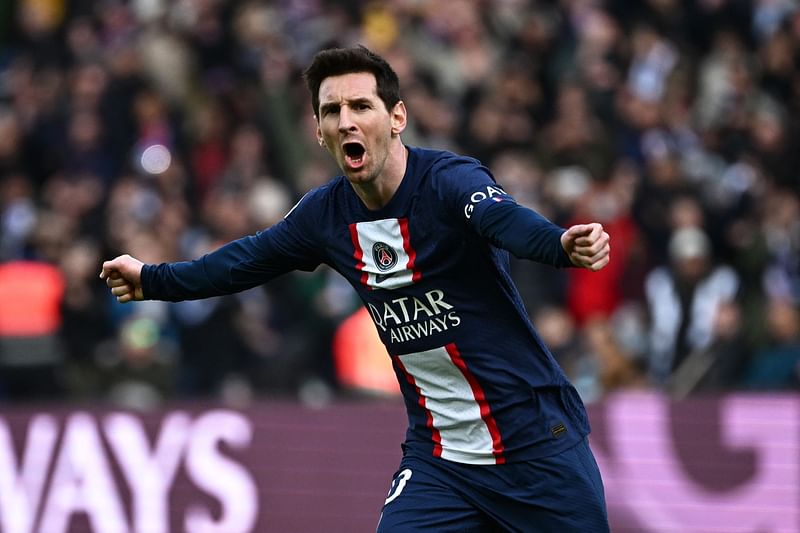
[{"x": 497, "y": 436}]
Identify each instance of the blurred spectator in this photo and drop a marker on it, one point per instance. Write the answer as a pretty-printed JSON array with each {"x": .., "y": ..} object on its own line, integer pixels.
[
  {"x": 684, "y": 299},
  {"x": 781, "y": 232},
  {"x": 776, "y": 366},
  {"x": 84, "y": 152},
  {"x": 137, "y": 370},
  {"x": 599, "y": 294},
  {"x": 18, "y": 215},
  {"x": 85, "y": 323},
  {"x": 212, "y": 346},
  {"x": 31, "y": 355},
  {"x": 606, "y": 366},
  {"x": 208, "y": 151},
  {"x": 594, "y": 357},
  {"x": 575, "y": 136},
  {"x": 11, "y": 140},
  {"x": 361, "y": 363},
  {"x": 721, "y": 364},
  {"x": 560, "y": 334}
]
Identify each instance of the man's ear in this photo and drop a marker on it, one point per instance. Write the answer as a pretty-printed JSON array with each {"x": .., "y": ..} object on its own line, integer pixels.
[
  {"x": 320, "y": 140},
  {"x": 399, "y": 117}
]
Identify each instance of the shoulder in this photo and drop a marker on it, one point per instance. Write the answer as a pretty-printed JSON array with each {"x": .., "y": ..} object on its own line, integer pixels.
[
  {"x": 448, "y": 172},
  {"x": 443, "y": 160}
]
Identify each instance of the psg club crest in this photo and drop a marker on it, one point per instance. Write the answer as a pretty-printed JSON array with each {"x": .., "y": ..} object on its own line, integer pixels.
[{"x": 385, "y": 257}]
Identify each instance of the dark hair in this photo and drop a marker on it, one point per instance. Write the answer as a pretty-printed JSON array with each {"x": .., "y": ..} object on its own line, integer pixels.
[{"x": 338, "y": 61}]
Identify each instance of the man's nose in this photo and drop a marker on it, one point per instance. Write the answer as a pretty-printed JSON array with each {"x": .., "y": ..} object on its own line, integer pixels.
[{"x": 346, "y": 119}]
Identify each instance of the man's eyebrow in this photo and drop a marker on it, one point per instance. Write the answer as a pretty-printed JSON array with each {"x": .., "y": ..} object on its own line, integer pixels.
[
  {"x": 360, "y": 100},
  {"x": 330, "y": 106}
]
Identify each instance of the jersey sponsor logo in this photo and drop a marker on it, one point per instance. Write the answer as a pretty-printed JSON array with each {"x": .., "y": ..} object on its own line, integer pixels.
[
  {"x": 384, "y": 255},
  {"x": 380, "y": 278},
  {"x": 494, "y": 192},
  {"x": 411, "y": 318}
]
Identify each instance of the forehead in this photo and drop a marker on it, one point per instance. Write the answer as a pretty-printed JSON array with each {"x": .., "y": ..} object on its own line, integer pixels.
[{"x": 348, "y": 87}]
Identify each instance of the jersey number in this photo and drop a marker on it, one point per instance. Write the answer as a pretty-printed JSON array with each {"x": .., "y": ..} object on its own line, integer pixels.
[{"x": 398, "y": 484}]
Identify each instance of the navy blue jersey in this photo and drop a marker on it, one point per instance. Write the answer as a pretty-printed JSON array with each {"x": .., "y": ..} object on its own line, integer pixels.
[{"x": 479, "y": 385}]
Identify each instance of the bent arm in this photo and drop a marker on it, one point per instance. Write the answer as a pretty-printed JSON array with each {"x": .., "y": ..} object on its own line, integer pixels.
[
  {"x": 470, "y": 191},
  {"x": 521, "y": 231}
]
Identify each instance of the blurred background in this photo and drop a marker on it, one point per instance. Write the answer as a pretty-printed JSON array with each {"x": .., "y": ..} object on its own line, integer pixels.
[{"x": 166, "y": 128}]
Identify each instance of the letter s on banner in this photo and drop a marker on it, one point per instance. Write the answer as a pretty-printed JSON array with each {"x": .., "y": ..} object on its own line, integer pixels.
[{"x": 220, "y": 476}]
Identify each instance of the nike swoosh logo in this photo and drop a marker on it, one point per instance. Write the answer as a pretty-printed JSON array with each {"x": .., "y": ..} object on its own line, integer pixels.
[{"x": 380, "y": 278}]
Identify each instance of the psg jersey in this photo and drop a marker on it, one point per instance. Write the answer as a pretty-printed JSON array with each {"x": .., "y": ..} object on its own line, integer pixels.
[{"x": 479, "y": 385}]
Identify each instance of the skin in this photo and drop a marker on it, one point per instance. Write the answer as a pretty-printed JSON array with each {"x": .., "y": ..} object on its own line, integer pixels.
[
  {"x": 587, "y": 245},
  {"x": 351, "y": 111}
]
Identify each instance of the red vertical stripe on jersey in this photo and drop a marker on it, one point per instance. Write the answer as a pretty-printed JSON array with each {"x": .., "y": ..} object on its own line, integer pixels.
[
  {"x": 359, "y": 255},
  {"x": 437, "y": 438},
  {"x": 480, "y": 397},
  {"x": 412, "y": 254}
]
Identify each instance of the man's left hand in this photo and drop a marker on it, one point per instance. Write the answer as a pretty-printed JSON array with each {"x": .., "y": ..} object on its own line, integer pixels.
[{"x": 587, "y": 245}]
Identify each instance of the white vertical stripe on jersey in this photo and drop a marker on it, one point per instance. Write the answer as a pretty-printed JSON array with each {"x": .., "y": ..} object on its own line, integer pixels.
[
  {"x": 449, "y": 398},
  {"x": 387, "y": 231}
]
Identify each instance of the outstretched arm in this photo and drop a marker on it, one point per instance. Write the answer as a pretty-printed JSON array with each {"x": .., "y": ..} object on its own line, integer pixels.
[
  {"x": 236, "y": 266},
  {"x": 123, "y": 275}
]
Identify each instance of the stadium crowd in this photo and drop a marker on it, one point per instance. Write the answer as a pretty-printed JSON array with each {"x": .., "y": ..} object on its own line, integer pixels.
[{"x": 164, "y": 128}]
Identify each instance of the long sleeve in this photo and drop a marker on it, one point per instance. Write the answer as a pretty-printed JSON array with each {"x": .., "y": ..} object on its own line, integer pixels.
[
  {"x": 240, "y": 264},
  {"x": 469, "y": 190},
  {"x": 234, "y": 267},
  {"x": 521, "y": 231}
]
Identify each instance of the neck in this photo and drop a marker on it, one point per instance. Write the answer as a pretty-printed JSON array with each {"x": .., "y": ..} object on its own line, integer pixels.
[{"x": 378, "y": 192}]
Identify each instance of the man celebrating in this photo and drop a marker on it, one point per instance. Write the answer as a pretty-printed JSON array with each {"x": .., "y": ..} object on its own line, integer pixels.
[{"x": 497, "y": 437}]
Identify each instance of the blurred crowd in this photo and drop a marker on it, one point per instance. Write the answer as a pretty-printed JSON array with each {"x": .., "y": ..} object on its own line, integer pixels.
[{"x": 164, "y": 128}]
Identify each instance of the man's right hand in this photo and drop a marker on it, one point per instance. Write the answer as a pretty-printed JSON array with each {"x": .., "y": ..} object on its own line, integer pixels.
[{"x": 123, "y": 275}]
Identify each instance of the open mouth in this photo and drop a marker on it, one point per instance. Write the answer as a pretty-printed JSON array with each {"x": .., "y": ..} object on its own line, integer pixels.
[{"x": 354, "y": 154}]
